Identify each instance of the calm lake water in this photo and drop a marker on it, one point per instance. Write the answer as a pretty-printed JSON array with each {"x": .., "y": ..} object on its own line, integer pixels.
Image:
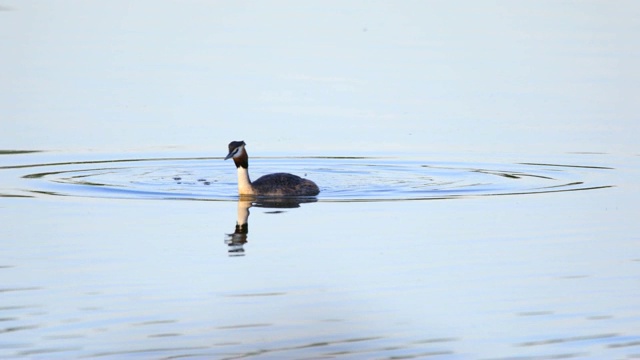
[{"x": 478, "y": 169}]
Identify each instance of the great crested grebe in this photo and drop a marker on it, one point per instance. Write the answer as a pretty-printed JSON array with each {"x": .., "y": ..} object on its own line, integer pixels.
[{"x": 278, "y": 184}]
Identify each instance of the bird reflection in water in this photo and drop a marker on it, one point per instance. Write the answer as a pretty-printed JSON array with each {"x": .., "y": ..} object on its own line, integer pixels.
[{"x": 240, "y": 235}]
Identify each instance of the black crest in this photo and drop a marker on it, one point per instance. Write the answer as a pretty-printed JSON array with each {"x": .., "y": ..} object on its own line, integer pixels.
[{"x": 234, "y": 144}]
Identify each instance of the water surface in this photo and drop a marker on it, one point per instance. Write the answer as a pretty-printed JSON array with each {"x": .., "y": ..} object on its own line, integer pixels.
[
  {"x": 111, "y": 259},
  {"x": 342, "y": 178},
  {"x": 478, "y": 167}
]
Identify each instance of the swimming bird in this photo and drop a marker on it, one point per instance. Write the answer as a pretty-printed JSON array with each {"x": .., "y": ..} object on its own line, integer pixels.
[{"x": 278, "y": 184}]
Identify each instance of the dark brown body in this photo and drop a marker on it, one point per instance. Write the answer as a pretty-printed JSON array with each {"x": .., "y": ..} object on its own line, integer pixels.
[{"x": 283, "y": 184}]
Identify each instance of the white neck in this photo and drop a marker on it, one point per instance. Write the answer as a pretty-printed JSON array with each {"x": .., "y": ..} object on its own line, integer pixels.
[{"x": 244, "y": 184}]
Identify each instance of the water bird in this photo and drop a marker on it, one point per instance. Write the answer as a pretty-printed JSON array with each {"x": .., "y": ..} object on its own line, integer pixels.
[{"x": 278, "y": 184}]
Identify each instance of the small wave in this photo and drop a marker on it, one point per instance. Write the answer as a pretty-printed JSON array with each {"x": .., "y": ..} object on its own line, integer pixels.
[{"x": 340, "y": 178}]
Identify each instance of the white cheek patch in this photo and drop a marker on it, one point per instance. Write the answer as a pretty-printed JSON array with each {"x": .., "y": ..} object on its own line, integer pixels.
[{"x": 238, "y": 151}]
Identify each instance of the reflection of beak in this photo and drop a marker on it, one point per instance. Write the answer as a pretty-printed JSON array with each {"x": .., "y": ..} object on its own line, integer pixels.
[{"x": 229, "y": 155}]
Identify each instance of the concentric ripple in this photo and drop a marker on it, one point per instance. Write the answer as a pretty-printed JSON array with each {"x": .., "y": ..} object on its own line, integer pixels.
[{"x": 340, "y": 179}]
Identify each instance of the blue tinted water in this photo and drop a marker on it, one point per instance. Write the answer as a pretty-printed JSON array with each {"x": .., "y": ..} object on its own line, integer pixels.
[
  {"x": 341, "y": 178},
  {"x": 104, "y": 262},
  {"x": 478, "y": 167}
]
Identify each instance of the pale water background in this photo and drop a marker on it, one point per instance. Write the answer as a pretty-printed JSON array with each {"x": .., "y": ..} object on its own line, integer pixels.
[{"x": 478, "y": 165}]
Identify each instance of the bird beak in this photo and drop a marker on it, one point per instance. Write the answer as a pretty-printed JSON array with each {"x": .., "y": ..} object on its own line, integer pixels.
[{"x": 230, "y": 155}]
